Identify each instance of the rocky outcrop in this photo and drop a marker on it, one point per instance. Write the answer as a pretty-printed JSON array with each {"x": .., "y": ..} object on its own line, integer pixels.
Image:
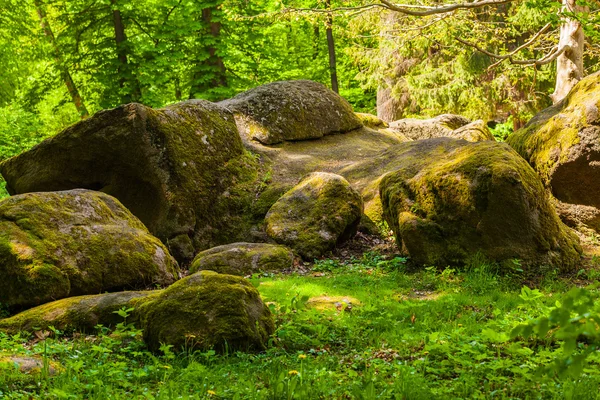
[
  {"x": 182, "y": 169},
  {"x": 244, "y": 259},
  {"x": 60, "y": 244},
  {"x": 319, "y": 212},
  {"x": 291, "y": 111},
  {"x": 440, "y": 126},
  {"x": 202, "y": 311},
  {"x": 450, "y": 199},
  {"x": 562, "y": 143}
]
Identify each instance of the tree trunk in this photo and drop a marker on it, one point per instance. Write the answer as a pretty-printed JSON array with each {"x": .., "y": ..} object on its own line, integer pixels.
[
  {"x": 126, "y": 78},
  {"x": 213, "y": 64},
  {"x": 64, "y": 71},
  {"x": 331, "y": 48},
  {"x": 569, "y": 65},
  {"x": 388, "y": 107}
]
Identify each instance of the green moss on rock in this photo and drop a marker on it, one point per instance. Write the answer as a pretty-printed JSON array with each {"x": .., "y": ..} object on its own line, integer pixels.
[
  {"x": 26, "y": 364},
  {"x": 202, "y": 311},
  {"x": 182, "y": 169},
  {"x": 206, "y": 310},
  {"x": 291, "y": 110},
  {"x": 60, "y": 244},
  {"x": 372, "y": 121},
  {"x": 562, "y": 144},
  {"x": 319, "y": 212},
  {"x": 244, "y": 259},
  {"x": 450, "y": 199},
  {"x": 73, "y": 314}
]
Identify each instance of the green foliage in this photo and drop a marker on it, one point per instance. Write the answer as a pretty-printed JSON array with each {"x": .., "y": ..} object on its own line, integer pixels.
[
  {"x": 573, "y": 322},
  {"x": 410, "y": 335},
  {"x": 502, "y": 131}
]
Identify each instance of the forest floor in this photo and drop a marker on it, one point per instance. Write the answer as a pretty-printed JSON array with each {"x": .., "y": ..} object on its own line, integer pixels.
[{"x": 355, "y": 326}]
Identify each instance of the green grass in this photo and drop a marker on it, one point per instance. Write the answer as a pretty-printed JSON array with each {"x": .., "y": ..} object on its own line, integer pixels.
[{"x": 409, "y": 335}]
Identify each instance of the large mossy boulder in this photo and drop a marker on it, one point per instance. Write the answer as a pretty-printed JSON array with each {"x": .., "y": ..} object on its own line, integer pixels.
[
  {"x": 180, "y": 169},
  {"x": 318, "y": 213},
  {"x": 450, "y": 200},
  {"x": 419, "y": 129},
  {"x": 562, "y": 143},
  {"x": 291, "y": 110},
  {"x": 202, "y": 311},
  {"x": 244, "y": 259},
  {"x": 60, "y": 244}
]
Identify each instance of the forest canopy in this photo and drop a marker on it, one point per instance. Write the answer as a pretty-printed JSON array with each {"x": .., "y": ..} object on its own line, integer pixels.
[{"x": 64, "y": 60}]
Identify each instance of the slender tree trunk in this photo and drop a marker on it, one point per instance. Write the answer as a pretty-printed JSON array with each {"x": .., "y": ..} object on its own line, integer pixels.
[
  {"x": 569, "y": 65},
  {"x": 126, "y": 78},
  {"x": 331, "y": 48},
  {"x": 213, "y": 66},
  {"x": 64, "y": 71},
  {"x": 316, "y": 39},
  {"x": 389, "y": 108}
]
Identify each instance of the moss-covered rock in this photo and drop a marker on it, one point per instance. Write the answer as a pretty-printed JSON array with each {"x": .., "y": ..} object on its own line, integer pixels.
[
  {"x": 206, "y": 310},
  {"x": 182, "y": 169},
  {"x": 562, "y": 143},
  {"x": 319, "y": 212},
  {"x": 73, "y": 314},
  {"x": 26, "y": 364},
  {"x": 291, "y": 110},
  {"x": 372, "y": 121},
  {"x": 60, "y": 244},
  {"x": 359, "y": 156},
  {"x": 244, "y": 259},
  {"x": 440, "y": 126},
  {"x": 450, "y": 199},
  {"x": 476, "y": 131}
]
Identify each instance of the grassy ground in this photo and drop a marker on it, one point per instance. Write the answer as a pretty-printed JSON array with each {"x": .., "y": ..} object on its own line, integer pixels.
[{"x": 361, "y": 329}]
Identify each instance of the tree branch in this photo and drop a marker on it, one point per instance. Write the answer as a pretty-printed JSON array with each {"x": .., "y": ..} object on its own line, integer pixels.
[
  {"x": 547, "y": 59},
  {"x": 426, "y": 10},
  {"x": 408, "y": 9},
  {"x": 524, "y": 45}
]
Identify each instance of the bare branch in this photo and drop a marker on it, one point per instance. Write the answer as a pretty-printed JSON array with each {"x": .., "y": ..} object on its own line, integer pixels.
[
  {"x": 547, "y": 59},
  {"x": 408, "y": 9},
  {"x": 426, "y": 10},
  {"x": 524, "y": 45}
]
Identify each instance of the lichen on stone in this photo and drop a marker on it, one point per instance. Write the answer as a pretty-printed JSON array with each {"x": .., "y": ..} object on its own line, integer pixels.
[{"x": 291, "y": 110}]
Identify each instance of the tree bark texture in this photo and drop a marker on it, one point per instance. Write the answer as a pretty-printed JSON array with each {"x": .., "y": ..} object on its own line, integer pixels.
[
  {"x": 569, "y": 65},
  {"x": 213, "y": 64},
  {"x": 331, "y": 48},
  {"x": 126, "y": 78},
  {"x": 64, "y": 71}
]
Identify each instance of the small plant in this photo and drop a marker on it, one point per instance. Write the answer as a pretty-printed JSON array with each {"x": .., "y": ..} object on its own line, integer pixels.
[
  {"x": 502, "y": 131},
  {"x": 327, "y": 265},
  {"x": 574, "y": 320}
]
